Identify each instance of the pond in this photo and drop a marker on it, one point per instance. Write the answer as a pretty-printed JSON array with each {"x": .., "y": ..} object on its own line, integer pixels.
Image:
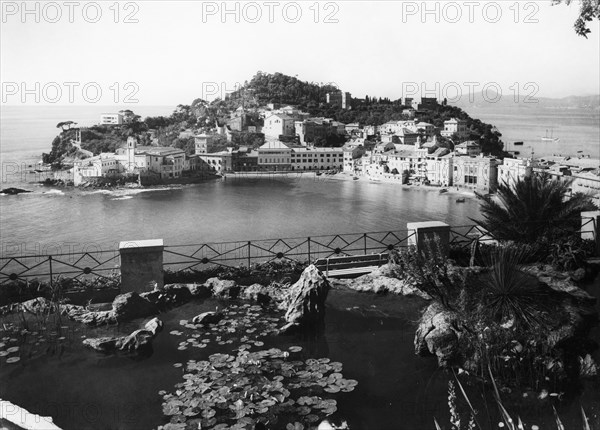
[{"x": 370, "y": 335}]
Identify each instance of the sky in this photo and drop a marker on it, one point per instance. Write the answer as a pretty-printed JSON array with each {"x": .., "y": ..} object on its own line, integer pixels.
[{"x": 167, "y": 53}]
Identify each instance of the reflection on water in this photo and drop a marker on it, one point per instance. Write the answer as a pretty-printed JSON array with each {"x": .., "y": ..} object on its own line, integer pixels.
[{"x": 371, "y": 335}]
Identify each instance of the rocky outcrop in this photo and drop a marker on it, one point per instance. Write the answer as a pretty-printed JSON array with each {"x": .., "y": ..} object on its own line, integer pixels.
[
  {"x": 39, "y": 305},
  {"x": 438, "y": 334},
  {"x": 89, "y": 317},
  {"x": 305, "y": 300},
  {"x": 129, "y": 306},
  {"x": 136, "y": 342},
  {"x": 13, "y": 191},
  {"x": 221, "y": 288},
  {"x": 439, "y": 331},
  {"x": 382, "y": 281},
  {"x": 208, "y": 318},
  {"x": 560, "y": 282}
]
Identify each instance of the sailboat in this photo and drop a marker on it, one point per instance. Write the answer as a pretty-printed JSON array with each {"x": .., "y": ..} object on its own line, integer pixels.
[{"x": 551, "y": 138}]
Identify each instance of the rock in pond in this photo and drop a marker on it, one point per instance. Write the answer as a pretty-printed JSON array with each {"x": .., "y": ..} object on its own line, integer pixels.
[
  {"x": 129, "y": 306},
  {"x": 437, "y": 334},
  {"x": 223, "y": 288},
  {"x": 306, "y": 298},
  {"x": 207, "y": 318},
  {"x": 257, "y": 293},
  {"x": 138, "y": 341}
]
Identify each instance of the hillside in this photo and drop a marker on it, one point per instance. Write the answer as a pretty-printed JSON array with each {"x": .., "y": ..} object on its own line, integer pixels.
[{"x": 202, "y": 116}]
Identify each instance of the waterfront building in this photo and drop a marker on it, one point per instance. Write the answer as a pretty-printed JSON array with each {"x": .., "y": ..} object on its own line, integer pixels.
[
  {"x": 111, "y": 119},
  {"x": 274, "y": 156},
  {"x": 587, "y": 182},
  {"x": 352, "y": 151},
  {"x": 513, "y": 169},
  {"x": 475, "y": 173},
  {"x": 216, "y": 162},
  {"x": 102, "y": 165},
  {"x": 317, "y": 158},
  {"x": 164, "y": 162}
]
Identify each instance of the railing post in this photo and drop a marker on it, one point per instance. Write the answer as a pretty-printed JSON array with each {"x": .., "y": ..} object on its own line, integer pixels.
[
  {"x": 429, "y": 230},
  {"x": 50, "y": 267},
  {"x": 249, "y": 249},
  {"x": 593, "y": 232},
  {"x": 141, "y": 265},
  {"x": 365, "y": 242}
]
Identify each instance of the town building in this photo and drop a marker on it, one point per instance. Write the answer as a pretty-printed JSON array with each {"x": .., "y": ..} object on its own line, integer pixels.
[
  {"x": 513, "y": 169},
  {"x": 427, "y": 128},
  {"x": 317, "y": 158},
  {"x": 339, "y": 99},
  {"x": 205, "y": 143},
  {"x": 427, "y": 103},
  {"x": 352, "y": 152},
  {"x": 274, "y": 156},
  {"x": 470, "y": 148},
  {"x": 475, "y": 173},
  {"x": 279, "y": 125},
  {"x": 458, "y": 126}
]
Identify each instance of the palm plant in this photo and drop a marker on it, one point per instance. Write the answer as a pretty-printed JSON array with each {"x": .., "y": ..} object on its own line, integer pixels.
[{"x": 534, "y": 207}]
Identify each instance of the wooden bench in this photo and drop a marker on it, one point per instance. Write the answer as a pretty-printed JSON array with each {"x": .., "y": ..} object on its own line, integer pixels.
[{"x": 350, "y": 266}]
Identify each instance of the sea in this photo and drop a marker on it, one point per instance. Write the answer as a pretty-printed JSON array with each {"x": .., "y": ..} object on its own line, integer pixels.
[{"x": 238, "y": 209}]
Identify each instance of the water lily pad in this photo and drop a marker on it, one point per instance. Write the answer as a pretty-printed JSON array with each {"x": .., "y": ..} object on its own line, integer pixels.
[
  {"x": 3, "y": 353},
  {"x": 12, "y": 349},
  {"x": 295, "y": 348},
  {"x": 11, "y": 360},
  {"x": 177, "y": 364}
]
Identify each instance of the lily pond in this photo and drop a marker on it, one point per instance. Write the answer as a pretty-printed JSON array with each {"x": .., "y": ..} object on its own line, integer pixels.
[{"x": 239, "y": 374}]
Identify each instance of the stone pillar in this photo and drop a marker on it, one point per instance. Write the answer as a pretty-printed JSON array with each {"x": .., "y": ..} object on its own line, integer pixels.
[
  {"x": 590, "y": 228},
  {"x": 141, "y": 265},
  {"x": 427, "y": 230}
]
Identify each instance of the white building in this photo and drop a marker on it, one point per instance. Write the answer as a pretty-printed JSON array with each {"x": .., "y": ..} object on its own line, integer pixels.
[
  {"x": 278, "y": 125},
  {"x": 513, "y": 169},
  {"x": 274, "y": 156},
  {"x": 111, "y": 119},
  {"x": 317, "y": 158},
  {"x": 457, "y": 126}
]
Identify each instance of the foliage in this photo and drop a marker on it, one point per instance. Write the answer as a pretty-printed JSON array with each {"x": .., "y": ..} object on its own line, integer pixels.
[
  {"x": 430, "y": 270},
  {"x": 534, "y": 207},
  {"x": 588, "y": 11}
]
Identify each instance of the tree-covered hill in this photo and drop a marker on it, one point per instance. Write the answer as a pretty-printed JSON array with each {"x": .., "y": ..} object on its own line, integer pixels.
[{"x": 202, "y": 116}]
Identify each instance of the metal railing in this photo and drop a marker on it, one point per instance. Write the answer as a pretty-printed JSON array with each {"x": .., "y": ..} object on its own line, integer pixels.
[{"x": 177, "y": 258}]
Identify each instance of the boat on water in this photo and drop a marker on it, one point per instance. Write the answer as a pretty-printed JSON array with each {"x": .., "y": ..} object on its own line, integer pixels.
[
  {"x": 518, "y": 143},
  {"x": 355, "y": 178},
  {"x": 460, "y": 200},
  {"x": 319, "y": 173},
  {"x": 443, "y": 190},
  {"x": 551, "y": 138}
]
